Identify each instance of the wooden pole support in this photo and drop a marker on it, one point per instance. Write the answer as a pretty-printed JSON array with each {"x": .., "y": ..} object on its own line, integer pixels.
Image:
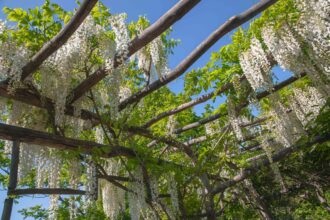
[{"x": 8, "y": 205}]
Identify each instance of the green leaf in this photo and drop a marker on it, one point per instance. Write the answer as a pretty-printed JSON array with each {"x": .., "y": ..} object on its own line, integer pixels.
[{"x": 66, "y": 19}]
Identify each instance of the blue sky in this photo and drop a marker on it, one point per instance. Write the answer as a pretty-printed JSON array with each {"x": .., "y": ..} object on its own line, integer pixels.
[{"x": 191, "y": 30}]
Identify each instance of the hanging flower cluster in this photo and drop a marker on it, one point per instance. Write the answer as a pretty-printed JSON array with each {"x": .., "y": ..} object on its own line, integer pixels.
[
  {"x": 91, "y": 183},
  {"x": 171, "y": 125},
  {"x": 48, "y": 167},
  {"x": 173, "y": 191},
  {"x": 54, "y": 182},
  {"x": 158, "y": 57},
  {"x": 58, "y": 71},
  {"x": 320, "y": 7},
  {"x": 154, "y": 189},
  {"x": 152, "y": 60},
  {"x": 118, "y": 25},
  {"x": 287, "y": 51},
  {"x": 47, "y": 163},
  {"x": 256, "y": 66},
  {"x": 26, "y": 158},
  {"x": 213, "y": 128},
  {"x": 44, "y": 160},
  {"x": 113, "y": 198},
  {"x": 235, "y": 120},
  {"x": 286, "y": 127},
  {"x": 99, "y": 135},
  {"x": 143, "y": 59},
  {"x": 12, "y": 58},
  {"x": 77, "y": 124},
  {"x": 13, "y": 119},
  {"x": 124, "y": 93},
  {"x": 2, "y": 26},
  {"x": 314, "y": 27},
  {"x": 285, "y": 48},
  {"x": 306, "y": 103},
  {"x": 53, "y": 208},
  {"x": 115, "y": 80},
  {"x": 268, "y": 146},
  {"x": 75, "y": 174},
  {"x": 209, "y": 129},
  {"x": 155, "y": 50},
  {"x": 136, "y": 198},
  {"x": 73, "y": 208}
]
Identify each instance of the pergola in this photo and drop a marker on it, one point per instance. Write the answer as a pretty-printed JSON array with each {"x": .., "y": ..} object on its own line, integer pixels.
[{"x": 28, "y": 96}]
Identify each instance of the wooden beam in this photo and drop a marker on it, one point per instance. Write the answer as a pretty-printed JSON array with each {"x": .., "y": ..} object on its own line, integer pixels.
[
  {"x": 8, "y": 205},
  {"x": 149, "y": 34},
  {"x": 280, "y": 155},
  {"x": 116, "y": 178},
  {"x": 59, "y": 40},
  {"x": 47, "y": 191},
  {"x": 228, "y": 26},
  {"x": 197, "y": 140},
  {"x": 198, "y": 123},
  {"x": 9, "y": 132}
]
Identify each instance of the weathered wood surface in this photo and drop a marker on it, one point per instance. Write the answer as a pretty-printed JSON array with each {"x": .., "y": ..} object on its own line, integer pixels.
[
  {"x": 9, "y": 132},
  {"x": 9, "y": 201}
]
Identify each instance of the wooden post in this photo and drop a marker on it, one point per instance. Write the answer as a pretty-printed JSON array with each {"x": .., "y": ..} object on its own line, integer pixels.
[{"x": 8, "y": 206}]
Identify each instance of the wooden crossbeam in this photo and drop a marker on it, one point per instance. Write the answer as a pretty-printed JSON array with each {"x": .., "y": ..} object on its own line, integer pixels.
[
  {"x": 26, "y": 135},
  {"x": 149, "y": 34},
  {"x": 228, "y": 26},
  {"x": 9, "y": 132},
  {"x": 47, "y": 191},
  {"x": 115, "y": 178},
  {"x": 59, "y": 40}
]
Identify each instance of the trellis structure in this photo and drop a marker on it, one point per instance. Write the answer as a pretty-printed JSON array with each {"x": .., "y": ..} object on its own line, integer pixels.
[{"x": 31, "y": 96}]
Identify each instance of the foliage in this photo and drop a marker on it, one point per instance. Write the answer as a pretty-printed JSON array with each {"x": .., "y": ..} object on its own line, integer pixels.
[{"x": 177, "y": 175}]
